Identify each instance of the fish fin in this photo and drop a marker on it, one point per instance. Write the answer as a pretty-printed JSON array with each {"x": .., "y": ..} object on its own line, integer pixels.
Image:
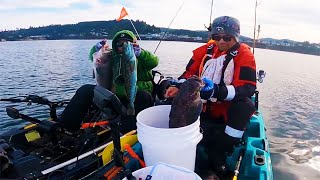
[
  {"x": 119, "y": 79},
  {"x": 130, "y": 109}
]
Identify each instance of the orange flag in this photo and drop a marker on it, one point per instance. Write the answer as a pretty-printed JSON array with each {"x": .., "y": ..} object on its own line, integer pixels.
[{"x": 122, "y": 14}]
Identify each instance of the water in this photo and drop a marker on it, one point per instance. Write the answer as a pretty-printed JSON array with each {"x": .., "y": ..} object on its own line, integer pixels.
[{"x": 289, "y": 96}]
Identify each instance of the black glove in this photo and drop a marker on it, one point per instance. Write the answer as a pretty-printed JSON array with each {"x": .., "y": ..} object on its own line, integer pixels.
[{"x": 177, "y": 83}]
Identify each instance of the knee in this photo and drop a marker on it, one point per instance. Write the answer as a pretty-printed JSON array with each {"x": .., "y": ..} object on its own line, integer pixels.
[
  {"x": 86, "y": 89},
  {"x": 239, "y": 113},
  {"x": 143, "y": 96},
  {"x": 245, "y": 105},
  {"x": 143, "y": 100}
]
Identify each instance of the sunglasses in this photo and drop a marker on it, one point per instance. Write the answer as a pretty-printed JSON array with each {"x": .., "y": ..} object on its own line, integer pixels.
[
  {"x": 218, "y": 38},
  {"x": 119, "y": 44}
]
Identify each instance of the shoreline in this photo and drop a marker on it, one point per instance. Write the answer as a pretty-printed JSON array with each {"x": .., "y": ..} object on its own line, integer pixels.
[{"x": 299, "y": 50}]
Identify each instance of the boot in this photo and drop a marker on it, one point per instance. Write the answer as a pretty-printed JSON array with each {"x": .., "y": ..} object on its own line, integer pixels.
[{"x": 218, "y": 153}]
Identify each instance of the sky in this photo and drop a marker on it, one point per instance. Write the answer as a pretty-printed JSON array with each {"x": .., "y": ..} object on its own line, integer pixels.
[{"x": 297, "y": 20}]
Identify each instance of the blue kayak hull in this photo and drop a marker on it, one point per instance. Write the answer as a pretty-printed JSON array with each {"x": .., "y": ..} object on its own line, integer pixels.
[{"x": 256, "y": 163}]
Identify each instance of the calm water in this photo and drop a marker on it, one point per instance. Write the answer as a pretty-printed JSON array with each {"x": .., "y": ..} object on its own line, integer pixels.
[{"x": 289, "y": 96}]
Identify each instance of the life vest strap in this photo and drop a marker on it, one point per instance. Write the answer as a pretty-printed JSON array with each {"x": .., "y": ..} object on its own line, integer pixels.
[{"x": 231, "y": 53}]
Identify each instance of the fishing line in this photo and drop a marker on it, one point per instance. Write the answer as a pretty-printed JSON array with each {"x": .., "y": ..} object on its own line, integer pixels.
[{"x": 168, "y": 27}]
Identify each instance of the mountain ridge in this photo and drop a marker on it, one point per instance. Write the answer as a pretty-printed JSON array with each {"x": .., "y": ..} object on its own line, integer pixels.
[{"x": 107, "y": 29}]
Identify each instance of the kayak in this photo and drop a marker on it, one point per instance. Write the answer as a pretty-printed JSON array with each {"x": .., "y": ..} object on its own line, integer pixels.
[{"x": 42, "y": 149}]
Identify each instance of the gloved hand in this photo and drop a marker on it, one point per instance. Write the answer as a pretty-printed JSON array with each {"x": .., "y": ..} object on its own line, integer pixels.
[
  {"x": 208, "y": 90},
  {"x": 100, "y": 44},
  {"x": 137, "y": 50}
]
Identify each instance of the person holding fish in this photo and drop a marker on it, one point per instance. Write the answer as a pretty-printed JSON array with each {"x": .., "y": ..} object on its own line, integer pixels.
[
  {"x": 126, "y": 70},
  {"x": 126, "y": 78},
  {"x": 228, "y": 71}
]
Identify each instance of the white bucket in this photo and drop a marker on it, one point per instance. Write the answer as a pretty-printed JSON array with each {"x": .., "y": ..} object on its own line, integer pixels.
[
  {"x": 163, "y": 171},
  {"x": 176, "y": 146}
]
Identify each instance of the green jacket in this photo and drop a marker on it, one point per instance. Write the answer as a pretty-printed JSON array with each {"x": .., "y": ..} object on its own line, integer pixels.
[
  {"x": 145, "y": 63},
  {"x": 92, "y": 51}
]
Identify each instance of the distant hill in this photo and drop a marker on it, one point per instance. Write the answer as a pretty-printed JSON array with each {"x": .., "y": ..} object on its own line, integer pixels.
[
  {"x": 278, "y": 40},
  {"x": 81, "y": 30},
  {"x": 186, "y": 32},
  {"x": 96, "y": 30},
  {"x": 107, "y": 29}
]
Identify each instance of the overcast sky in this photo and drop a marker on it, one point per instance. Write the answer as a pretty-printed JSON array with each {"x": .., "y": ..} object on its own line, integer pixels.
[{"x": 281, "y": 19}]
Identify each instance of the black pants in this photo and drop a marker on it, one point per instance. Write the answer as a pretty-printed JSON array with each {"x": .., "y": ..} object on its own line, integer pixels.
[
  {"x": 216, "y": 142},
  {"x": 75, "y": 112},
  {"x": 143, "y": 100}
]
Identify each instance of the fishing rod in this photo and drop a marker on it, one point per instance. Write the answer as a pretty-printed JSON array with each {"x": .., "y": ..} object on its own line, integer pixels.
[
  {"x": 237, "y": 168},
  {"x": 258, "y": 32},
  {"x": 211, "y": 15},
  {"x": 134, "y": 28},
  {"x": 168, "y": 28},
  {"x": 255, "y": 26},
  {"x": 210, "y": 22}
]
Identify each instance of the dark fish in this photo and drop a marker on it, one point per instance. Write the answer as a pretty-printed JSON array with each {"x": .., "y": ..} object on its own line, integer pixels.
[
  {"x": 186, "y": 106},
  {"x": 103, "y": 68},
  {"x": 130, "y": 75},
  {"x": 212, "y": 177}
]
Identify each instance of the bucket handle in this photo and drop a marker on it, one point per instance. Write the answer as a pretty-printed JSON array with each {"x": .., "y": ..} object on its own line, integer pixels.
[
  {"x": 201, "y": 130},
  {"x": 149, "y": 176}
]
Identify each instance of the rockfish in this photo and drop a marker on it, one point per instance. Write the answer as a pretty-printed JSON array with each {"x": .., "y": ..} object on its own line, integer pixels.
[
  {"x": 186, "y": 105},
  {"x": 103, "y": 67},
  {"x": 129, "y": 68}
]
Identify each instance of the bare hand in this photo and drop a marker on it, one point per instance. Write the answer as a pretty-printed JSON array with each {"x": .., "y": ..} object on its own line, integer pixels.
[
  {"x": 135, "y": 44},
  {"x": 171, "y": 92},
  {"x": 106, "y": 47}
]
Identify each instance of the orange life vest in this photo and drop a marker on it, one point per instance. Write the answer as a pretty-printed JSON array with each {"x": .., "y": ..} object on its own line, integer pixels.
[{"x": 244, "y": 62}]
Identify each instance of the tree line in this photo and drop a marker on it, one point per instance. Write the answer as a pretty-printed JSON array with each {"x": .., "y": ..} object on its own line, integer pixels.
[{"x": 81, "y": 30}]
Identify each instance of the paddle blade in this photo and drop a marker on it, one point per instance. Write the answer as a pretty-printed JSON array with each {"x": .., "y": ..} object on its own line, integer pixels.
[{"x": 12, "y": 112}]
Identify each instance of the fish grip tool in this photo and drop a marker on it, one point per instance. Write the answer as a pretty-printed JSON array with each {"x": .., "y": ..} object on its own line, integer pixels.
[{"x": 112, "y": 107}]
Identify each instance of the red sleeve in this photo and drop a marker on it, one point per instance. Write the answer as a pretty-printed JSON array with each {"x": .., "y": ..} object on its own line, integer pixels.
[{"x": 194, "y": 63}]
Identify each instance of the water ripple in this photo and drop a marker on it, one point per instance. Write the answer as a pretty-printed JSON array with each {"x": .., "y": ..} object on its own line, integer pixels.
[{"x": 289, "y": 96}]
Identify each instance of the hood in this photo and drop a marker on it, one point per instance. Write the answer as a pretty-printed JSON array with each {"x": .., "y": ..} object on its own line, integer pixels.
[{"x": 123, "y": 35}]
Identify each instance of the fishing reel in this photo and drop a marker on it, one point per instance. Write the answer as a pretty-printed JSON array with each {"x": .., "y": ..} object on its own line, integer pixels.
[
  {"x": 261, "y": 74},
  {"x": 160, "y": 85}
]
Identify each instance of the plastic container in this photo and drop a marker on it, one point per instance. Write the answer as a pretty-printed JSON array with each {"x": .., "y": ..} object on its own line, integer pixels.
[
  {"x": 162, "y": 171},
  {"x": 176, "y": 146}
]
